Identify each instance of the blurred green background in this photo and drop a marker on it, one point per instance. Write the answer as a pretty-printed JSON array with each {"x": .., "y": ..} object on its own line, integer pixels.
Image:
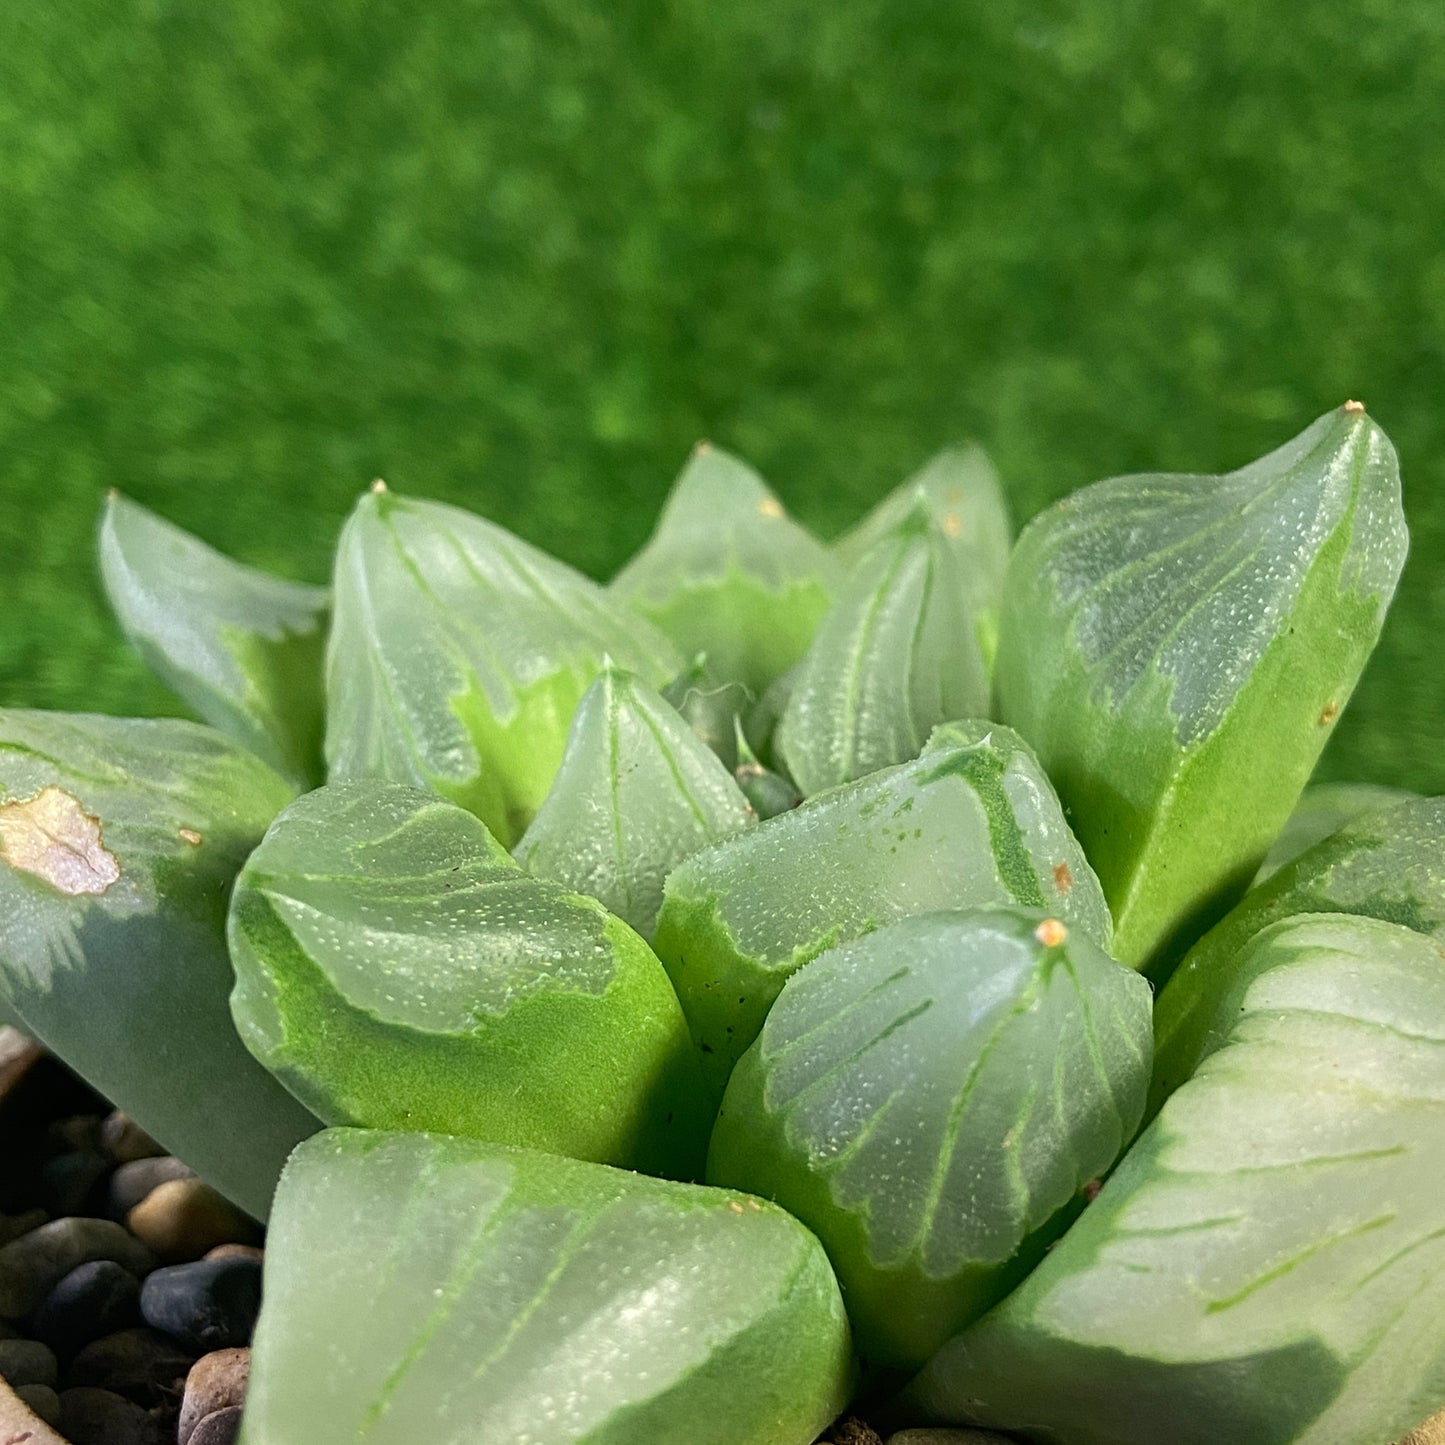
[{"x": 523, "y": 255}]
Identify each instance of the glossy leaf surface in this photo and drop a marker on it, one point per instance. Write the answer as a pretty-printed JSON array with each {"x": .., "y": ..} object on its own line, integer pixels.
[
  {"x": 637, "y": 793},
  {"x": 395, "y": 968},
  {"x": 119, "y": 839},
  {"x": 729, "y": 574},
  {"x": 930, "y": 1100},
  {"x": 421, "y": 1288},
  {"x": 1264, "y": 1265},
  {"x": 895, "y": 656},
  {"x": 459, "y": 654},
  {"x": 241, "y": 647},
  {"x": 1388, "y": 864},
  {"x": 1177, "y": 649},
  {"x": 972, "y": 824}
]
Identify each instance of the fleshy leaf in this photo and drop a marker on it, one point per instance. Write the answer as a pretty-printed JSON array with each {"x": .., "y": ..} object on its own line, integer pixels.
[
  {"x": 427, "y": 1288},
  {"x": 1177, "y": 649},
  {"x": 395, "y": 968},
  {"x": 1323, "y": 809},
  {"x": 930, "y": 1101},
  {"x": 119, "y": 838},
  {"x": 241, "y": 647},
  {"x": 976, "y": 824},
  {"x": 637, "y": 793},
  {"x": 1264, "y": 1265},
  {"x": 1387, "y": 864},
  {"x": 895, "y": 656},
  {"x": 768, "y": 792},
  {"x": 961, "y": 490},
  {"x": 459, "y": 654},
  {"x": 712, "y": 707},
  {"x": 729, "y": 574}
]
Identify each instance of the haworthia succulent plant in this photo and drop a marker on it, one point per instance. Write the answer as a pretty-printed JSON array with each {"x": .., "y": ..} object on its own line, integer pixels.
[
  {"x": 239, "y": 646},
  {"x": 459, "y": 653},
  {"x": 972, "y": 824},
  {"x": 931, "y": 1100},
  {"x": 1177, "y": 649},
  {"x": 118, "y": 841},
  {"x": 894, "y": 657},
  {"x": 728, "y": 573},
  {"x": 712, "y": 707},
  {"x": 1264, "y": 1264},
  {"x": 637, "y": 793},
  {"x": 426, "y": 1288},
  {"x": 1387, "y": 864},
  {"x": 961, "y": 489},
  {"x": 1323, "y": 809},
  {"x": 395, "y": 968}
]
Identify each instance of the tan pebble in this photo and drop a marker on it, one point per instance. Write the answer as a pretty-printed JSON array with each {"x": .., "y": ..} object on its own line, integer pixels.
[
  {"x": 183, "y": 1218},
  {"x": 236, "y": 1251},
  {"x": 216, "y": 1382},
  {"x": 1432, "y": 1432}
]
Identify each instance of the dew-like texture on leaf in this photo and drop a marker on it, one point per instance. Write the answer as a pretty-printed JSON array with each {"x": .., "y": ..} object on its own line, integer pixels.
[
  {"x": 929, "y": 1100},
  {"x": 119, "y": 839},
  {"x": 895, "y": 656},
  {"x": 241, "y": 647},
  {"x": 394, "y": 967},
  {"x": 637, "y": 793},
  {"x": 1178, "y": 648},
  {"x": 974, "y": 823},
  {"x": 729, "y": 574},
  {"x": 1323, "y": 809},
  {"x": 1266, "y": 1263},
  {"x": 426, "y": 1288},
  {"x": 1387, "y": 864},
  {"x": 459, "y": 653}
]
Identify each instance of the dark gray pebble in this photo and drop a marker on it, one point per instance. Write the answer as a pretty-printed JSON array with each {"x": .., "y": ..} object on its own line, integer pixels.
[
  {"x": 12, "y": 1226},
  {"x": 98, "y": 1417},
  {"x": 31, "y": 1266},
  {"x": 221, "y": 1428},
  {"x": 68, "y": 1181},
  {"x": 141, "y": 1364},
  {"x": 209, "y": 1305},
  {"x": 42, "y": 1400},
  {"x": 75, "y": 1131},
  {"x": 94, "y": 1299},
  {"x": 28, "y": 1362},
  {"x": 132, "y": 1182},
  {"x": 124, "y": 1140}
]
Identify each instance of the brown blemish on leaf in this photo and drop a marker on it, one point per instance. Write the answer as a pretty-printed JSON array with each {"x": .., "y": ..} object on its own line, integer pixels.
[
  {"x": 1355, "y": 408},
  {"x": 735, "y": 1206},
  {"x": 1329, "y": 713},
  {"x": 1091, "y": 1190},
  {"x": 1051, "y": 933},
  {"x": 770, "y": 507},
  {"x": 702, "y": 448},
  {"x": 1063, "y": 879},
  {"x": 189, "y": 835},
  {"x": 52, "y": 837},
  {"x": 952, "y": 524}
]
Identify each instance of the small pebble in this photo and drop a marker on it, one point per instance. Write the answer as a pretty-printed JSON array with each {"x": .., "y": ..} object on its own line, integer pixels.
[
  {"x": 98, "y": 1417},
  {"x": 209, "y": 1305},
  {"x": 949, "y": 1437},
  {"x": 42, "y": 1400},
  {"x": 132, "y": 1182},
  {"x": 92, "y": 1300},
  {"x": 76, "y": 1131},
  {"x": 216, "y": 1382},
  {"x": 183, "y": 1218},
  {"x": 28, "y": 1362},
  {"x": 67, "y": 1181},
  {"x": 236, "y": 1251},
  {"x": 140, "y": 1364},
  {"x": 221, "y": 1428},
  {"x": 31, "y": 1266},
  {"x": 124, "y": 1140},
  {"x": 12, "y": 1226}
]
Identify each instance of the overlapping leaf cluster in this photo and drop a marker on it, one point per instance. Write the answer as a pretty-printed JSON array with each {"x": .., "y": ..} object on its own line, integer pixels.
[{"x": 699, "y": 986}]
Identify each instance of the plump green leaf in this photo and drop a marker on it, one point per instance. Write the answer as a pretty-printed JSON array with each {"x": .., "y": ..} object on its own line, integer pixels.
[
  {"x": 1265, "y": 1264},
  {"x": 421, "y": 1288},
  {"x": 894, "y": 657},
  {"x": 1388, "y": 864},
  {"x": 711, "y": 706},
  {"x": 768, "y": 792},
  {"x": 637, "y": 793},
  {"x": 1323, "y": 809},
  {"x": 459, "y": 654},
  {"x": 1177, "y": 649},
  {"x": 395, "y": 968},
  {"x": 119, "y": 838},
  {"x": 930, "y": 1101},
  {"x": 961, "y": 489},
  {"x": 728, "y": 573},
  {"x": 972, "y": 824},
  {"x": 239, "y": 646}
]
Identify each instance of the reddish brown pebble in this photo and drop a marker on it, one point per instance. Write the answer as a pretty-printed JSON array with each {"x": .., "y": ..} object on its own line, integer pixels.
[
  {"x": 222, "y": 1428},
  {"x": 216, "y": 1382},
  {"x": 182, "y": 1218},
  {"x": 236, "y": 1251}
]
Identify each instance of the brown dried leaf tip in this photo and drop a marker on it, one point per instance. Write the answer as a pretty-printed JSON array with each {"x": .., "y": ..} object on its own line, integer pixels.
[
  {"x": 1051, "y": 933},
  {"x": 54, "y": 838}
]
